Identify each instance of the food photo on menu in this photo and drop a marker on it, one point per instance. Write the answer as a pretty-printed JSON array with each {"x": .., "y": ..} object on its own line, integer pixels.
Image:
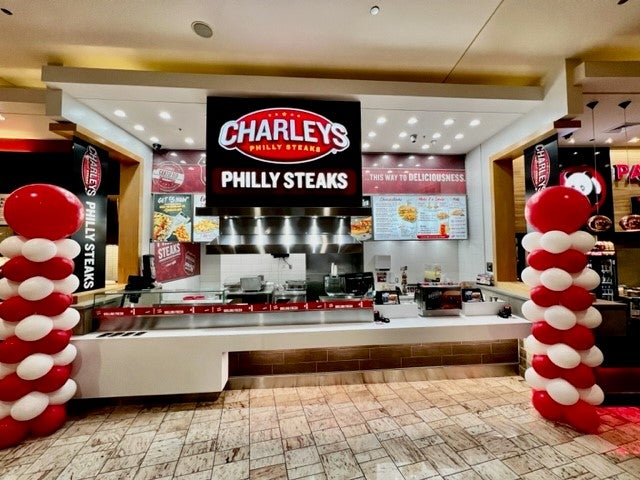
[{"x": 172, "y": 218}]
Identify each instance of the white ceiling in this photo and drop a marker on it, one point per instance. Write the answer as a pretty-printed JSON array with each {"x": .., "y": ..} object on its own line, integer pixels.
[{"x": 428, "y": 59}]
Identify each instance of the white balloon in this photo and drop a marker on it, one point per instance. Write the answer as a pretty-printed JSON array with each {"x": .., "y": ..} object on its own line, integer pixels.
[
  {"x": 582, "y": 241},
  {"x": 531, "y": 241},
  {"x": 592, "y": 357},
  {"x": 64, "y": 393},
  {"x": 29, "y": 406},
  {"x": 33, "y": 327},
  {"x": 532, "y": 312},
  {"x": 592, "y": 395},
  {"x": 556, "y": 279},
  {"x": 560, "y": 317},
  {"x": 35, "y": 288},
  {"x": 562, "y": 391},
  {"x": 563, "y": 355},
  {"x": 555, "y": 241},
  {"x": 590, "y": 318},
  {"x": 534, "y": 380},
  {"x": 66, "y": 320},
  {"x": 67, "y": 285},
  {"x": 8, "y": 288},
  {"x": 39, "y": 249},
  {"x": 12, "y": 246},
  {"x": 530, "y": 276},
  {"x": 67, "y": 248},
  {"x": 7, "y": 369},
  {"x": 5, "y": 409},
  {"x": 65, "y": 356},
  {"x": 535, "y": 347},
  {"x": 587, "y": 279},
  {"x": 34, "y": 366},
  {"x": 7, "y": 329}
]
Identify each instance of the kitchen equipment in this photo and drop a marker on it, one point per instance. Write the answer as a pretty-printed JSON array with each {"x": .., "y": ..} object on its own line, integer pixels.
[
  {"x": 358, "y": 284},
  {"x": 334, "y": 285},
  {"x": 251, "y": 284},
  {"x": 293, "y": 291},
  {"x": 438, "y": 299}
]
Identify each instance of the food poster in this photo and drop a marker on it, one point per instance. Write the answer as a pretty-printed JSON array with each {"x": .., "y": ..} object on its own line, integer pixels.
[
  {"x": 178, "y": 171},
  {"x": 362, "y": 228},
  {"x": 419, "y": 217},
  {"x": 176, "y": 260},
  {"x": 205, "y": 228},
  {"x": 172, "y": 218}
]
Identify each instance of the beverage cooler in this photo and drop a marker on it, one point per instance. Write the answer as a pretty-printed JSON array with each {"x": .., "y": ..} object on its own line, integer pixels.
[{"x": 602, "y": 259}]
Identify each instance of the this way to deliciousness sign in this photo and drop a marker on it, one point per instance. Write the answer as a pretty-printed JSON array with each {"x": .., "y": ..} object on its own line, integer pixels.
[{"x": 270, "y": 151}]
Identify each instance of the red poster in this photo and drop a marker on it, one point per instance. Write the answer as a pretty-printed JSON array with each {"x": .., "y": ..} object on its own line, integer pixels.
[
  {"x": 181, "y": 171},
  {"x": 176, "y": 260}
]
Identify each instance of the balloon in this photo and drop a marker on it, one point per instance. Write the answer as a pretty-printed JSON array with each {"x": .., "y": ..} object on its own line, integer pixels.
[
  {"x": 531, "y": 311},
  {"x": 18, "y": 269},
  {"x": 545, "y": 333},
  {"x": 535, "y": 380},
  {"x": 562, "y": 391},
  {"x": 556, "y": 279},
  {"x": 8, "y": 288},
  {"x": 68, "y": 248},
  {"x": 590, "y": 318},
  {"x": 67, "y": 319},
  {"x": 530, "y": 276},
  {"x": 557, "y": 208},
  {"x": 582, "y": 241},
  {"x": 545, "y": 367},
  {"x": 546, "y": 406},
  {"x": 12, "y": 387},
  {"x": 15, "y": 309},
  {"x": 583, "y": 417},
  {"x": 563, "y": 355},
  {"x": 64, "y": 393},
  {"x": 34, "y": 327},
  {"x": 541, "y": 259},
  {"x": 12, "y": 246},
  {"x": 14, "y": 350},
  {"x": 592, "y": 395},
  {"x": 587, "y": 279},
  {"x": 576, "y": 298},
  {"x": 41, "y": 210},
  {"x": 35, "y": 288},
  {"x": 572, "y": 260},
  {"x": 531, "y": 241},
  {"x": 560, "y": 317},
  {"x": 53, "y": 305},
  {"x": 579, "y": 337},
  {"x": 544, "y": 297},
  {"x": 67, "y": 285},
  {"x": 54, "y": 342},
  {"x": 29, "y": 406},
  {"x": 580, "y": 377},
  {"x": 66, "y": 356},
  {"x": 34, "y": 366},
  {"x": 39, "y": 249},
  {"x": 535, "y": 347},
  {"x": 7, "y": 369},
  {"x": 57, "y": 268},
  {"x": 555, "y": 241},
  {"x": 7, "y": 329},
  {"x": 53, "y": 380},
  {"x": 592, "y": 357},
  {"x": 5, "y": 408},
  {"x": 53, "y": 417},
  {"x": 12, "y": 432}
]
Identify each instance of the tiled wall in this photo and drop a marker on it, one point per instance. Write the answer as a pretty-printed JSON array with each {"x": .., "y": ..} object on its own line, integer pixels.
[{"x": 372, "y": 357}]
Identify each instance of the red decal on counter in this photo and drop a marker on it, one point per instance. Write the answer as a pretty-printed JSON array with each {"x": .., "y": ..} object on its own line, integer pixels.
[
  {"x": 91, "y": 171},
  {"x": 284, "y": 135},
  {"x": 540, "y": 167}
]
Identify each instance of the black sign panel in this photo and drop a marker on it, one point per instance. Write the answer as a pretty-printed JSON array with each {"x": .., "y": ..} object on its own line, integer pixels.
[
  {"x": 89, "y": 184},
  {"x": 265, "y": 152}
]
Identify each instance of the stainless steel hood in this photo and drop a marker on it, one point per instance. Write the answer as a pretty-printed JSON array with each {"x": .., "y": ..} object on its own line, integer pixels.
[{"x": 283, "y": 230}]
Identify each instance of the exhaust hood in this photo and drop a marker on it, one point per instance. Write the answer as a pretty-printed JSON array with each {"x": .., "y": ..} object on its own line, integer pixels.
[{"x": 281, "y": 230}]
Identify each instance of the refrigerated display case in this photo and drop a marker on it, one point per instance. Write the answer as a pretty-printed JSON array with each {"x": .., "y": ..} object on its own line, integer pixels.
[{"x": 603, "y": 260}]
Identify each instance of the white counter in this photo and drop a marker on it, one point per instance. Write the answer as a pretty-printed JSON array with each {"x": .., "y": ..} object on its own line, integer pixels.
[{"x": 177, "y": 361}]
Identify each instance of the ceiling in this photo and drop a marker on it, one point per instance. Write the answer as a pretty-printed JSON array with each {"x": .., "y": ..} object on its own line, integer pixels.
[{"x": 432, "y": 60}]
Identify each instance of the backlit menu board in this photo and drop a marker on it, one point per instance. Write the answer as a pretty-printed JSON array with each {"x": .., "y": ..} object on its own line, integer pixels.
[{"x": 419, "y": 217}]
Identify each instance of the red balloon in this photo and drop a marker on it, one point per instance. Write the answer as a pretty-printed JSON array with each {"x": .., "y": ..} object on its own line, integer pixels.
[
  {"x": 557, "y": 208},
  {"x": 12, "y": 388},
  {"x": 53, "y": 417},
  {"x": 545, "y": 367},
  {"x": 547, "y": 406},
  {"x": 55, "y": 341},
  {"x": 57, "y": 268},
  {"x": 579, "y": 337},
  {"x": 581, "y": 376},
  {"x": 53, "y": 379},
  {"x": 12, "y": 432},
  {"x": 576, "y": 298},
  {"x": 15, "y": 308},
  {"x": 583, "y": 417},
  {"x": 541, "y": 259},
  {"x": 544, "y": 297},
  {"x": 545, "y": 333},
  {"x": 53, "y": 304},
  {"x": 14, "y": 350},
  {"x": 572, "y": 261},
  {"x": 19, "y": 268},
  {"x": 43, "y": 211}
]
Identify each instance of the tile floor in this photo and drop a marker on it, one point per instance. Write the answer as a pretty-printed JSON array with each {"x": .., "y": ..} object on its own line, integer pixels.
[{"x": 443, "y": 429}]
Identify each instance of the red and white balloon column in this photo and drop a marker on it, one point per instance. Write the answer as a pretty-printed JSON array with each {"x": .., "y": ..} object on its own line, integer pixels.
[
  {"x": 562, "y": 343},
  {"x": 36, "y": 320}
]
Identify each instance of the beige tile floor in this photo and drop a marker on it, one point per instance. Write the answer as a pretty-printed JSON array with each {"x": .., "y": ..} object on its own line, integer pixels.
[{"x": 444, "y": 429}]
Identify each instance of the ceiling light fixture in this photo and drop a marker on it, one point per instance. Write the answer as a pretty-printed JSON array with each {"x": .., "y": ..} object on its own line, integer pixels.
[
  {"x": 2, "y": 118},
  {"x": 592, "y": 105},
  {"x": 165, "y": 115},
  {"x": 372, "y": 134},
  {"x": 138, "y": 127},
  {"x": 459, "y": 136},
  {"x": 395, "y": 146},
  {"x": 412, "y": 121},
  {"x": 189, "y": 141},
  {"x": 446, "y": 147},
  {"x": 425, "y": 146},
  {"x": 202, "y": 29},
  {"x": 154, "y": 139},
  {"x": 119, "y": 113},
  {"x": 623, "y": 106},
  {"x": 474, "y": 123},
  {"x": 436, "y": 135},
  {"x": 375, "y": 10},
  {"x": 449, "y": 121},
  {"x": 381, "y": 120},
  {"x": 365, "y": 145},
  {"x": 634, "y": 140},
  {"x": 402, "y": 134}
]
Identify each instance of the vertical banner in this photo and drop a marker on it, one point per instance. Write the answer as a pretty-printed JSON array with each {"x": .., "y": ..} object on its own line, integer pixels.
[
  {"x": 541, "y": 166},
  {"x": 88, "y": 183}
]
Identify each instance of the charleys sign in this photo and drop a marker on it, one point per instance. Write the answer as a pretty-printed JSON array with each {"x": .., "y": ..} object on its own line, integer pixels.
[{"x": 275, "y": 151}]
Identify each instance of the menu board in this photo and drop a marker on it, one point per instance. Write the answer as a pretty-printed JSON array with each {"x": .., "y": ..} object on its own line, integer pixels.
[
  {"x": 205, "y": 228},
  {"x": 172, "y": 218},
  {"x": 419, "y": 217}
]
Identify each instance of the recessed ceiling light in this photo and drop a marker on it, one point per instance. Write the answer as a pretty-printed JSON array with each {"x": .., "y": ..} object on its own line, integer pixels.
[
  {"x": 608, "y": 140},
  {"x": 446, "y": 147},
  {"x": 203, "y": 155},
  {"x": 459, "y": 136},
  {"x": 573, "y": 140},
  {"x": 119, "y": 113},
  {"x": 138, "y": 127},
  {"x": 412, "y": 157},
  {"x": 412, "y": 121},
  {"x": 436, "y": 135},
  {"x": 173, "y": 154},
  {"x": 449, "y": 121},
  {"x": 202, "y": 29},
  {"x": 385, "y": 157},
  {"x": 365, "y": 145},
  {"x": 402, "y": 134},
  {"x": 165, "y": 115},
  {"x": 189, "y": 140},
  {"x": 372, "y": 134},
  {"x": 154, "y": 139},
  {"x": 381, "y": 120},
  {"x": 395, "y": 146},
  {"x": 425, "y": 146},
  {"x": 430, "y": 157},
  {"x": 375, "y": 10},
  {"x": 2, "y": 118},
  {"x": 417, "y": 164},
  {"x": 634, "y": 140},
  {"x": 474, "y": 123},
  {"x": 375, "y": 164}
]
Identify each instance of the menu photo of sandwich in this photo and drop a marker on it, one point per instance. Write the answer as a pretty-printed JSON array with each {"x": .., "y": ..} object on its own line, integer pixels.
[
  {"x": 172, "y": 218},
  {"x": 361, "y": 228}
]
